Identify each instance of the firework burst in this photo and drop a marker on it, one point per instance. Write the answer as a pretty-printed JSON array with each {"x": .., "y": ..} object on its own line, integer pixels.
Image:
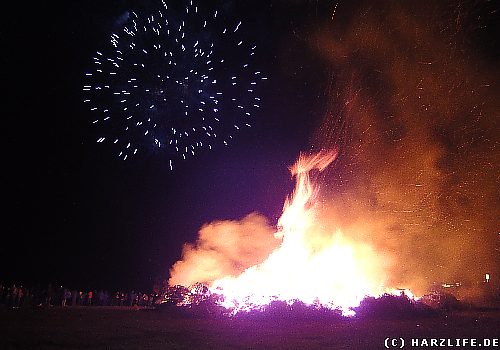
[{"x": 178, "y": 80}]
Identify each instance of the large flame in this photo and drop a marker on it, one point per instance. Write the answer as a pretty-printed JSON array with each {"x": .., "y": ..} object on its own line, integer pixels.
[{"x": 314, "y": 263}]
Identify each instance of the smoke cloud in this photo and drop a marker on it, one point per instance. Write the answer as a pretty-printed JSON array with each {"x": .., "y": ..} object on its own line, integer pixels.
[{"x": 224, "y": 248}]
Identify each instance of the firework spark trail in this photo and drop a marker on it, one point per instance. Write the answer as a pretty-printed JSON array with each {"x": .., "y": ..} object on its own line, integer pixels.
[{"x": 179, "y": 79}]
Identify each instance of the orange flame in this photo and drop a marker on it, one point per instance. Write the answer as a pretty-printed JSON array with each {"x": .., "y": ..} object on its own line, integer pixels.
[{"x": 314, "y": 264}]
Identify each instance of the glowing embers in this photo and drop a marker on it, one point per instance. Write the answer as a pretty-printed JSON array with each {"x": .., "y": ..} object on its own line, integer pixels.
[{"x": 336, "y": 276}]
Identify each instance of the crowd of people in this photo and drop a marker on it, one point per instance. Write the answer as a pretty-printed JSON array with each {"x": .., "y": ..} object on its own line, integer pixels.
[{"x": 16, "y": 296}]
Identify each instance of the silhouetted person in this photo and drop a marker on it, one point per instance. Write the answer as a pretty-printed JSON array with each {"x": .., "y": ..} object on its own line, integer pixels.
[{"x": 66, "y": 296}]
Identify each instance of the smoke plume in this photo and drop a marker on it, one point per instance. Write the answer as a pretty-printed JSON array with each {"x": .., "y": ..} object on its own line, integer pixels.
[{"x": 413, "y": 108}]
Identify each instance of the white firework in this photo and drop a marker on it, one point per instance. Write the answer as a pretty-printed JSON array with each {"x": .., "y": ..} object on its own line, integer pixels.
[{"x": 177, "y": 80}]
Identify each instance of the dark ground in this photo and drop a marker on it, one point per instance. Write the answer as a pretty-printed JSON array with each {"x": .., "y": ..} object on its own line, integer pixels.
[{"x": 127, "y": 328}]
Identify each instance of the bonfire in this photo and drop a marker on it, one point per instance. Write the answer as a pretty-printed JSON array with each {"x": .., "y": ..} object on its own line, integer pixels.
[{"x": 313, "y": 263}]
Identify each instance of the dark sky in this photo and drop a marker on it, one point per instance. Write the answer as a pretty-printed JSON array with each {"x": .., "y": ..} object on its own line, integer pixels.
[{"x": 79, "y": 216}]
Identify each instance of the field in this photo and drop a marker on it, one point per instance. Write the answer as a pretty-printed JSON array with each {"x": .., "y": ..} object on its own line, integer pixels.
[{"x": 128, "y": 328}]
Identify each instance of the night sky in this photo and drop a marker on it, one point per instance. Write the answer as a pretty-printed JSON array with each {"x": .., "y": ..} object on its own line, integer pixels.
[{"x": 79, "y": 216}]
